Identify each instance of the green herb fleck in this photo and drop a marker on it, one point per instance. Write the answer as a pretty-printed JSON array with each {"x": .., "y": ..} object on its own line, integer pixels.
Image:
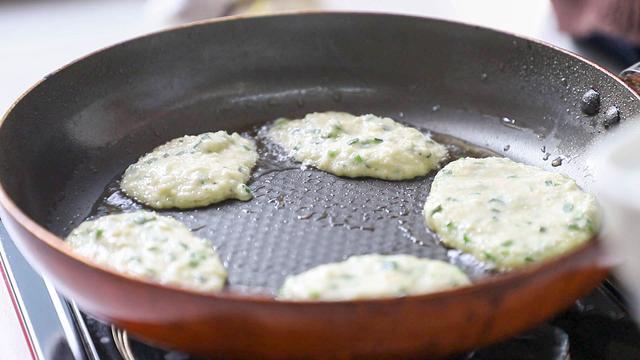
[
  {"x": 335, "y": 132},
  {"x": 567, "y": 207},
  {"x": 489, "y": 256},
  {"x": 353, "y": 141},
  {"x": 99, "y": 233},
  {"x": 574, "y": 227},
  {"x": 332, "y": 153},
  {"x": 497, "y": 201},
  {"x": 512, "y": 177},
  {"x": 246, "y": 147},
  {"x": 542, "y": 229},
  {"x": 466, "y": 238},
  {"x": 451, "y": 226},
  {"x": 371, "y": 141},
  {"x": 143, "y": 220},
  {"x": 358, "y": 159},
  {"x": 590, "y": 227},
  {"x": 280, "y": 122},
  {"x": 528, "y": 259},
  {"x": 246, "y": 189},
  {"x": 436, "y": 209},
  {"x": 507, "y": 243}
]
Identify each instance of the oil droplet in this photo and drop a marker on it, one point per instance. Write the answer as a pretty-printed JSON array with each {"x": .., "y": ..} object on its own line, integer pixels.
[
  {"x": 305, "y": 216},
  {"x": 435, "y": 108},
  {"x": 484, "y": 76},
  {"x": 507, "y": 121}
]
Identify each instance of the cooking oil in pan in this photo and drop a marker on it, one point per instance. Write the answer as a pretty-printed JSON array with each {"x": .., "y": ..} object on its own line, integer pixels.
[{"x": 301, "y": 217}]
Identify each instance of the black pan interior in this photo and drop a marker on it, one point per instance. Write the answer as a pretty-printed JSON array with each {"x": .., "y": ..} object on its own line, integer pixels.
[{"x": 64, "y": 145}]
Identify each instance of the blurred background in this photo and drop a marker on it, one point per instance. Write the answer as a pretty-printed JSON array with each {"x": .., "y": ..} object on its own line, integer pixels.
[{"x": 41, "y": 36}]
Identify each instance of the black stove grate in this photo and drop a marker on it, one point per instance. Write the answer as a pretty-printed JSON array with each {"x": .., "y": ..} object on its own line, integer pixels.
[{"x": 595, "y": 327}]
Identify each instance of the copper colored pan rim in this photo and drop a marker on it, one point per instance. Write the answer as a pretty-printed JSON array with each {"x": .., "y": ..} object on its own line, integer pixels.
[{"x": 58, "y": 244}]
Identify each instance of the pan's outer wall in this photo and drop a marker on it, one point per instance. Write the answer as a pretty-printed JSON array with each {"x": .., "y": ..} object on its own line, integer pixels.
[{"x": 67, "y": 137}]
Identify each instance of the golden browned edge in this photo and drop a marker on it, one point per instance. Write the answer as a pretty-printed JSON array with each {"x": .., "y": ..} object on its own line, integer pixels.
[{"x": 58, "y": 244}]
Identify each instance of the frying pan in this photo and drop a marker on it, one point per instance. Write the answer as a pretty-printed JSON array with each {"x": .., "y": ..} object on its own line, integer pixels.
[{"x": 65, "y": 143}]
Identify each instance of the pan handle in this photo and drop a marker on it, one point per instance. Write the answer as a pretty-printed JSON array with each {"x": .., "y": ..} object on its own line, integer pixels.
[{"x": 631, "y": 76}]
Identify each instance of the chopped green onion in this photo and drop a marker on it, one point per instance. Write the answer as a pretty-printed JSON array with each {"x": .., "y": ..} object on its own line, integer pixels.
[
  {"x": 574, "y": 227},
  {"x": 143, "y": 220},
  {"x": 335, "y": 132},
  {"x": 451, "y": 226},
  {"x": 99, "y": 233},
  {"x": 358, "y": 159},
  {"x": 280, "y": 122},
  {"x": 489, "y": 256},
  {"x": 436, "y": 209},
  {"x": 353, "y": 141}
]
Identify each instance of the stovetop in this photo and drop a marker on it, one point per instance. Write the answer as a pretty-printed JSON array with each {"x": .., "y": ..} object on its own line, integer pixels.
[{"x": 597, "y": 326}]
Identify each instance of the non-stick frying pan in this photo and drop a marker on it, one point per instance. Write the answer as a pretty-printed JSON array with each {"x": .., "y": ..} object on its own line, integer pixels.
[{"x": 65, "y": 143}]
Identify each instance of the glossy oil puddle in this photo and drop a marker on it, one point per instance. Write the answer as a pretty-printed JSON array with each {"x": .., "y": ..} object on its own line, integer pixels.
[{"x": 301, "y": 217}]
